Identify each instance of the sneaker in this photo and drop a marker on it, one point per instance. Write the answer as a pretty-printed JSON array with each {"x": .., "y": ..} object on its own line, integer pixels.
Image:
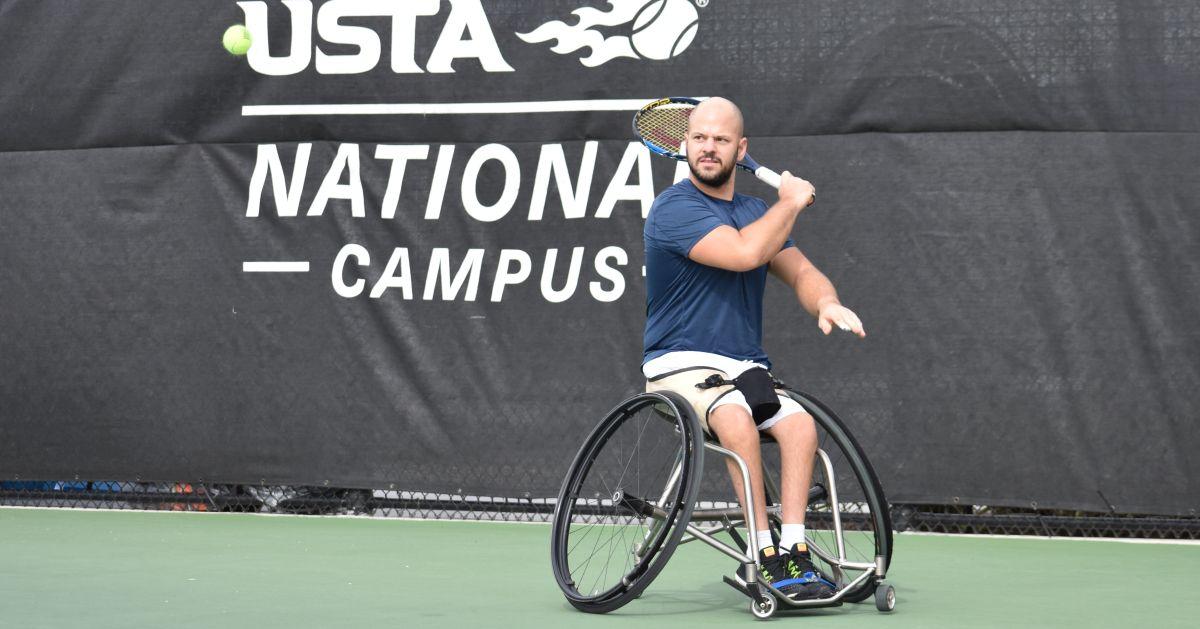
[
  {"x": 774, "y": 571},
  {"x": 805, "y": 580}
]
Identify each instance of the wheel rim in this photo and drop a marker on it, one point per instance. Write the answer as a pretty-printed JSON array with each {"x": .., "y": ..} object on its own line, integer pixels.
[
  {"x": 862, "y": 509},
  {"x": 620, "y": 510},
  {"x": 764, "y": 608}
]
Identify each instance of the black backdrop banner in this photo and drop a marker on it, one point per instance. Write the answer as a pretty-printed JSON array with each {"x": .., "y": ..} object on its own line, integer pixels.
[{"x": 399, "y": 244}]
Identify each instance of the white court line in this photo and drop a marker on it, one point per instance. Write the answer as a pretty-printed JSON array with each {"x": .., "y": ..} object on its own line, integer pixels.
[
  {"x": 519, "y": 107},
  {"x": 1056, "y": 538},
  {"x": 275, "y": 267}
]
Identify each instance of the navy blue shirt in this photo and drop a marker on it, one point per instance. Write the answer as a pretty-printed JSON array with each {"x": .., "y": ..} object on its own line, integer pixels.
[{"x": 691, "y": 306}]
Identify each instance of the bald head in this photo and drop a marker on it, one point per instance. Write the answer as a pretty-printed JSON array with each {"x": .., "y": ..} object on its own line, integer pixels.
[
  {"x": 714, "y": 145},
  {"x": 718, "y": 113}
]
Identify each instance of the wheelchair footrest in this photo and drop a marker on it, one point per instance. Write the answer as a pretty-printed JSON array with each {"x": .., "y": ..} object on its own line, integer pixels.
[
  {"x": 787, "y": 602},
  {"x": 811, "y": 603},
  {"x": 737, "y": 586}
]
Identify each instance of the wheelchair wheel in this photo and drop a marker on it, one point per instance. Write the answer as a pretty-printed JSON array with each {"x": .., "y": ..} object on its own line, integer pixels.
[
  {"x": 861, "y": 507},
  {"x": 626, "y": 501}
]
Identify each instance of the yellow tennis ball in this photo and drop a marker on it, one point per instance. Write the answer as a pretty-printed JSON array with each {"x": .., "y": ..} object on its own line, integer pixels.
[
  {"x": 664, "y": 28},
  {"x": 236, "y": 39}
]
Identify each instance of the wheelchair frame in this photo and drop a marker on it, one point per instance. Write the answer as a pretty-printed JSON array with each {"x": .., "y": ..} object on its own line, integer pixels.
[{"x": 676, "y": 521}]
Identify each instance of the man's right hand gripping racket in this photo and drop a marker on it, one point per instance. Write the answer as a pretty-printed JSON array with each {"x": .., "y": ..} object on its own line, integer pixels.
[{"x": 662, "y": 126}]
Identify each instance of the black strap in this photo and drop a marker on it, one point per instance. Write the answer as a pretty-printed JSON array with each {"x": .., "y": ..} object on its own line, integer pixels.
[
  {"x": 678, "y": 371},
  {"x": 716, "y": 380}
]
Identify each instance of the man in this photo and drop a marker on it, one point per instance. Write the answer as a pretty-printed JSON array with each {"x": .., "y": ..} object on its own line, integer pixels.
[{"x": 708, "y": 250}]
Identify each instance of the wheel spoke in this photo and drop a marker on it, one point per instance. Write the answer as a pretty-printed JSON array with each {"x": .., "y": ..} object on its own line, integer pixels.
[{"x": 605, "y": 532}]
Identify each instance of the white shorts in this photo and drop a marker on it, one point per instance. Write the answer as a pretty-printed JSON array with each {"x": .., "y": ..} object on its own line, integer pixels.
[{"x": 693, "y": 368}]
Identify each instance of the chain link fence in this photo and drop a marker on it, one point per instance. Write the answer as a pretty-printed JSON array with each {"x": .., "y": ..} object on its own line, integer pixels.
[
  {"x": 978, "y": 519},
  {"x": 391, "y": 503}
]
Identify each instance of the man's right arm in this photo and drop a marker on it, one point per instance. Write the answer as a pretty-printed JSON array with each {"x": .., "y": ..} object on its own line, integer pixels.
[{"x": 757, "y": 243}]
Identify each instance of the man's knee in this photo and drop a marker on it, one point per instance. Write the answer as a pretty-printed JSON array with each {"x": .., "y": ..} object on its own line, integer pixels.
[
  {"x": 795, "y": 430},
  {"x": 733, "y": 426}
]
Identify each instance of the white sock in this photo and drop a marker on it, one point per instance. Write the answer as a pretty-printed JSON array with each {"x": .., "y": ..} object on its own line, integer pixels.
[
  {"x": 792, "y": 534},
  {"x": 764, "y": 540}
]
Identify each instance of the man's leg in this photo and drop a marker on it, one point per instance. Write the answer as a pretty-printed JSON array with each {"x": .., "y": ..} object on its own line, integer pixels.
[
  {"x": 797, "y": 437},
  {"x": 736, "y": 431}
]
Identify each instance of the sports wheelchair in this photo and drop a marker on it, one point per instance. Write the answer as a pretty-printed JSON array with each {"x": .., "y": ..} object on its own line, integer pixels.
[{"x": 630, "y": 498}]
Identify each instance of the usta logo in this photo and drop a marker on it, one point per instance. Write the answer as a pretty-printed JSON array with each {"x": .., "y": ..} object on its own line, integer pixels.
[
  {"x": 466, "y": 34},
  {"x": 649, "y": 29}
]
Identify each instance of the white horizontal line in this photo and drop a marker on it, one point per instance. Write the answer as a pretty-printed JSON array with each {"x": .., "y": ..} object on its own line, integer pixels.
[
  {"x": 375, "y": 109},
  {"x": 1123, "y": 540},
  {"x": 275, "y": 267}
]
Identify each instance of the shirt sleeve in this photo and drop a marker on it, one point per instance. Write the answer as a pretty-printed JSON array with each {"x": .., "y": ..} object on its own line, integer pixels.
[{"x": 678, "y": 223}]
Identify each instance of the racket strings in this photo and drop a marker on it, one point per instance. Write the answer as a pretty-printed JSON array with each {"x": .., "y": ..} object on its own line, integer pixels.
[{"x": 665, "y": 126}]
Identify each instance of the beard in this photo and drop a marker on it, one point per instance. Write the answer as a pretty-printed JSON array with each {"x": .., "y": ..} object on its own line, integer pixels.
[{"x": 717, "y": 179}]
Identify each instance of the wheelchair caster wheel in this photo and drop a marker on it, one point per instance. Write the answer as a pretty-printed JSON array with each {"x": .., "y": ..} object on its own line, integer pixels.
[
  {"x": 885, "y": 597},
  {"x": 764, "y": 608}
]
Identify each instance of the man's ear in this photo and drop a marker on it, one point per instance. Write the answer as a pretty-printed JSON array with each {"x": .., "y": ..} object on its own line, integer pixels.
[{"x": 743, "y": 144}]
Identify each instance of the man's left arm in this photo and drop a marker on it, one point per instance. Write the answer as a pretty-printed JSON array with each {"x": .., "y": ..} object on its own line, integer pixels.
[{"x": 814, "y": 291}]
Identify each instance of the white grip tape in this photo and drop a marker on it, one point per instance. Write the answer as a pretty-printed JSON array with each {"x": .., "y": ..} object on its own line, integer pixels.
[{"x": 768, "y": 176}]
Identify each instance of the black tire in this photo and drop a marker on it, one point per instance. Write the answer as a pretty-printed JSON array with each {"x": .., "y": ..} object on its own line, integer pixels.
[
  {"x": 611, "y": 507},
  {"x": 864, "y": 513},
  {"x": 885, "y": 597}
]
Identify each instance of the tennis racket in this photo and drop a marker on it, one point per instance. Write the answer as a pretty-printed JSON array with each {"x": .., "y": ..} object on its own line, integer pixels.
[{"x": 662, "y": 126}]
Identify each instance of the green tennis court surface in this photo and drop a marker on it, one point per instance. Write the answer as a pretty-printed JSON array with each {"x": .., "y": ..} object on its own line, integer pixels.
[{"x": 61, "y": 568}]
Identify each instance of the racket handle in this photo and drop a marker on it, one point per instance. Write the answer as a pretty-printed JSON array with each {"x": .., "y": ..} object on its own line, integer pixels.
[{"x": 768, "y": 176}]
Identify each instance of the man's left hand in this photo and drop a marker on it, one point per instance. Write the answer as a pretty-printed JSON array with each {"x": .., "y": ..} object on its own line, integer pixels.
[{"x": 841, "y": 316}]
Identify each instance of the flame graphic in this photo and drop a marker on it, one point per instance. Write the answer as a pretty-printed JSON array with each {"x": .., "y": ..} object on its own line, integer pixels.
[{"x": 573, "y": 37}]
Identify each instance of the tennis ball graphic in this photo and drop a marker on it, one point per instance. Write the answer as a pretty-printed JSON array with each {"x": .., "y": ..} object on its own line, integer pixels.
[
  {"x": 664, "y": 28},
  {"x": 236, "y": 39}
]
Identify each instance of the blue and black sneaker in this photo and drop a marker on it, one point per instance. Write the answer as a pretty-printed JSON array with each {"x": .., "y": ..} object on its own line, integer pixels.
[
  {"x": 804, "y": 581},
  {"x": 774, "y": 571}
]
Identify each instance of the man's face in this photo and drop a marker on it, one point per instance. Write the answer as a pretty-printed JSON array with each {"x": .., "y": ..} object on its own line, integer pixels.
[{"x": 714, "y": 145}]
